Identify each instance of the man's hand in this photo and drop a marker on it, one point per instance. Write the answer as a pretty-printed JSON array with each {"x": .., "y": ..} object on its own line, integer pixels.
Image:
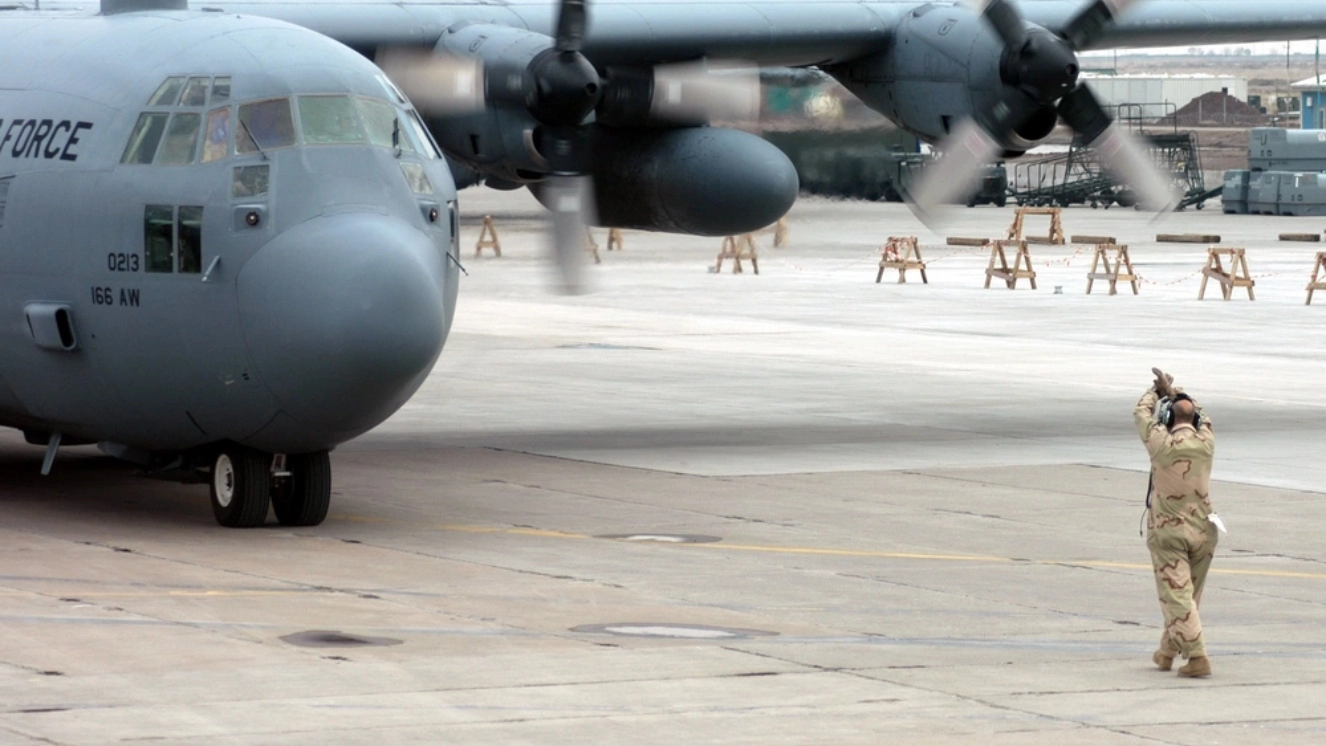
[{"x": 1164, "y": 382}]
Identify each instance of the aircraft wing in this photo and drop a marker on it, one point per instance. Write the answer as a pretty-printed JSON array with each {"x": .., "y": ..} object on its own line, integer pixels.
[
  {"x": 777, "y": 32},
  {"x": 1168, "y": 23},
  {"x": 773, "y": 32}
]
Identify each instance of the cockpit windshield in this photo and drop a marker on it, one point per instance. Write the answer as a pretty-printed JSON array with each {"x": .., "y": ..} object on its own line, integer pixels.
[
  {"x": 265, "y": 125},
  {"x": 329, "y": 120},
  {"x": 178, "y": 129},
  {"x": 384, "y": 128}
]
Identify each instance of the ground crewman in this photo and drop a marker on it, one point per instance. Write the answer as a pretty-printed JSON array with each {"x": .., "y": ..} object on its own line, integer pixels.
[{"x": 1181, "y": 529}]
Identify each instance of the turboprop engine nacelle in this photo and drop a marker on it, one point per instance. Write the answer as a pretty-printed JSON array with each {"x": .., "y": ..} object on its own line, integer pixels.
[
  {"x": 944, "y": 64},
  {"x": 527, "y": 85},
  {"x": 705, "y": 181}
]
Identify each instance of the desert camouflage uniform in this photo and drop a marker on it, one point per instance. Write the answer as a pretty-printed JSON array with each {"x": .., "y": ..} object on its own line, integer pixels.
[{"x": 1181, "y": 538}]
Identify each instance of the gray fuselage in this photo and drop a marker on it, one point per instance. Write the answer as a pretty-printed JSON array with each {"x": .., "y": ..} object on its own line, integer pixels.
[{"x": 286, "y": 295}]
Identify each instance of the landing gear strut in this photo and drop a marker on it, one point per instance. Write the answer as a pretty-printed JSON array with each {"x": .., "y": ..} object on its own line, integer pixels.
[
  {"x": 241, "y": 487},
  {"x": 302, "y": 498}
]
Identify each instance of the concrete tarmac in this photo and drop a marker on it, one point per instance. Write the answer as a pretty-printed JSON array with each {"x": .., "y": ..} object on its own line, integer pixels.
[{"x": 797, "y": 507}]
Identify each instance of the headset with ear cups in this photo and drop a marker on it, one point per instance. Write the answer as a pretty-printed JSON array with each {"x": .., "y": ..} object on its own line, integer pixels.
[{"x": 1167, "y": 411}]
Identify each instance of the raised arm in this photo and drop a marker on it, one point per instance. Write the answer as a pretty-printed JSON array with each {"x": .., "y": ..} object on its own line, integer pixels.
[{"x": 1144, "y": 414}]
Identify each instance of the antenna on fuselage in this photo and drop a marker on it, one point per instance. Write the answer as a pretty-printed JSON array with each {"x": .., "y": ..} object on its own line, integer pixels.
[{"x": 112, "y": 7}]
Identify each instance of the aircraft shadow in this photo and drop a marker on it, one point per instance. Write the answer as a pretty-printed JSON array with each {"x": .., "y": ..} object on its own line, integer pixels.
[{"x": 88, "y": 487}]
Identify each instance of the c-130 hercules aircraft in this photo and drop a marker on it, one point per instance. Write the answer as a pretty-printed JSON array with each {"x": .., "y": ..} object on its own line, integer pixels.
[{"x": 228, "y": 239}]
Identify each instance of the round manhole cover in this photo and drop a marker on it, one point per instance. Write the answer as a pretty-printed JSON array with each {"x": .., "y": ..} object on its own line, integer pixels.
[
  {"x": 318, "y": 638},
  {"x": 664, "y": 538},
  {"x": 671, "y": 631}
]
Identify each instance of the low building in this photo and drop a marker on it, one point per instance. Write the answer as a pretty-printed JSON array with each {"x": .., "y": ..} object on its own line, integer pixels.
[
  {"x": 1159, "y": 95},
  {"x": 1313, "y": 102}
]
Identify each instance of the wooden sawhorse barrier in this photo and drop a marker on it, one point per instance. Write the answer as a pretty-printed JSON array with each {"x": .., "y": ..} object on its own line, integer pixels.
[
  {"x": 1056, "y": 236},
  {"x": 901, "y": 253},
  {"x": 737, "y": 248},
  {"x": 1237, "y": 276},
  {"x": 1021, "y": 265},
  {"x": 488, "y": 238},
  {"x": 1315, "y": 283},
  {"x": 592, "y": 246},
  {"x": 615, "y": 239},
  {"x": 1118, "y": 268}
]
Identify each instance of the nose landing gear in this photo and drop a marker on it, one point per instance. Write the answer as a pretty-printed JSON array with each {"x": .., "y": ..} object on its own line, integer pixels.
[
  {"x": 241, "y": 487},
  {"x": 302, "y": 498},
  {"x": 244, "y": 483}
]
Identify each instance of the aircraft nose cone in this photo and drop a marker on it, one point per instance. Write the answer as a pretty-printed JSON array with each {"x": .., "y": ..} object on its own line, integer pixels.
[{"x": 343, "y": 316}]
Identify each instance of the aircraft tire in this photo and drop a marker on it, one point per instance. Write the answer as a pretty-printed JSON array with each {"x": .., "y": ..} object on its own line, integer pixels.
[
  {"x": 304, "y": 497},
  {"x": 241, "y": 487}
]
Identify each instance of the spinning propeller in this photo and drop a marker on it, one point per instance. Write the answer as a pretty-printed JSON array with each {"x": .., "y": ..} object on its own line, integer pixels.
[
  {"x": 566, "y": 95},
  {"x": 1039, "y": 72}
]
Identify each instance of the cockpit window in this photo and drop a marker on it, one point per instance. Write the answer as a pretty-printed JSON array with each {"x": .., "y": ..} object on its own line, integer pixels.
[
  {"x": 221, "y": 90},
  {"x": 146, "y": 136},
  {"x": 189, "y": 230},
  {"x": 157, "y": 238},
  {"x": 416, "y": 178},
  {"x": 384, "y": 129},
  {"x": 329, "y": 120},
  {"x": 181, "y": 140},
  {"x": 195, "y": 92},
  {"x": 265, "y": 125},
  {"x": 250, "y": 182},
  {"x": 168, "y": 92},
  {"x": 216, "y": 145}
]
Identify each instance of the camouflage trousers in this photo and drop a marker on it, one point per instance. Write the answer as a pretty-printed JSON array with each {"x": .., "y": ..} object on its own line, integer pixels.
[{"x": 1181, "y": 553}]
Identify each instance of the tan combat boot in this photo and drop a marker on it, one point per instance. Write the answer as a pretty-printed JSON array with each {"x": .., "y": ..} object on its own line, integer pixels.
[
  {"x": 1196, "y": 668},
  {"x": 1162, "y": 660}
]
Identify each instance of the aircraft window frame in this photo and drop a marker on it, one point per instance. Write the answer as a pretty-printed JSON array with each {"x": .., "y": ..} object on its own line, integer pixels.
[
  {"x": 189, "y": 239},
  {"x": 145, "y": 138},
  {"x": 250, "y": 182},
  {"x": 316, "y": 112},
  {"x": 159, "y": 254},
  {"x": 195, "y": 92},
  {"x": 370, "y": 115},
  {"x": 393, "y": 91},
  {"x": 216, "y": 135},
  {"x": 453, "y": 209},
  {"x": 168, "y": 93},
  {"x": 252, "y": 137},
  {"x": 429, "y": 148},
  {"x": 174, "y": 140},
  {"x": 221, "y": 90}
]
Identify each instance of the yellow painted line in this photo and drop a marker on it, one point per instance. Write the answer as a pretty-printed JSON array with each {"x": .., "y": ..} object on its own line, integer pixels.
[
  {"x": 712, "y": 546},
  {"x": 844, "y": 552},
  {"x": 549, "y": 534},
  {"x": 988, "y": 559},
  {"x": 871, "y": 554},
  {"x": 83, "y": 595},
  {"x": 1269, "y": 573}
]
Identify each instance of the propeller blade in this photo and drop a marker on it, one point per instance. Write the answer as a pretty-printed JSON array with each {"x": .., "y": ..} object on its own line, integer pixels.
[
  {"x": 440, "y": 85},
  {"x": 1006, "y": 21},
  {"x": 572, "y": 19},
  {"x": 1120, "y": 153},
  {"x": 570, "y": 200},
  {"x": 953, "y": 177},
  {"x": 1090, "y": 24},
  {"x": 1126, "y": 160},
  {"x": 690, "y": 93}
]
